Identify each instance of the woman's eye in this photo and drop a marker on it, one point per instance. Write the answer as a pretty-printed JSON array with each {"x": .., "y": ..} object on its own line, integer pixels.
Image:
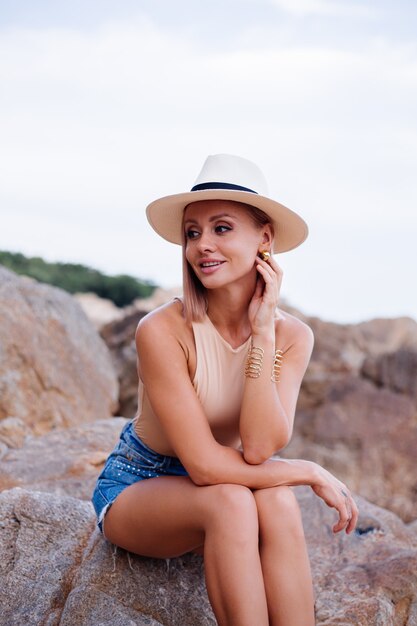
[
  {"x": 191, "y": 233},
  {"x": 222, "y": 228}
]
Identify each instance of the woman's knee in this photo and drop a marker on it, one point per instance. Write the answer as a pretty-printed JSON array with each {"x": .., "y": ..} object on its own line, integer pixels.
[
  {"x": 277, "y": 505},
  {"x": 231, "y": 504}
]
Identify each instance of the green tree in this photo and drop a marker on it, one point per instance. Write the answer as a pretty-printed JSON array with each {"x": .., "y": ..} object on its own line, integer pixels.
[{"x": 75, "y": 278}]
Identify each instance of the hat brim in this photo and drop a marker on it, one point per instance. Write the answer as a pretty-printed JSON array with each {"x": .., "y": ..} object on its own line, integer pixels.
[{"x": 165, "y": 215}]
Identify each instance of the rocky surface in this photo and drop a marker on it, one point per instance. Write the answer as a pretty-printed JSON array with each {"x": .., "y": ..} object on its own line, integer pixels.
[
  {"x": 343, "y": 348},
  {"x": 159, "y": 296},
  {"x": 56, "y": 569},
  {"x": 357, "y": 409},
  {"x": 394, "y": 370},
  {"x": 367, "y": 578},
  {"x": 55, "y": 558},
  {"x": 119, "y": 336},
  {"x": 55, "y": 370},
  {"x": 367, "y": 436},
  {"x": 100, "y": 311},
  {"x": 357, "y": 415},
  {"x": 64, "y": 462}
]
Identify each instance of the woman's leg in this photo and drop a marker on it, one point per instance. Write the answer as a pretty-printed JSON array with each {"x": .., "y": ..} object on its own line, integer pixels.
[
  {"x": 169, "y": 516},
  {"x": 285, "y": 562}
]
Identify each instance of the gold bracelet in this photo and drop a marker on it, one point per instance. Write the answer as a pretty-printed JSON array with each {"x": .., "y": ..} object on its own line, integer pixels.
[
  {"x": 254, "y": 362},
  {"x": 276, "y": 366}
]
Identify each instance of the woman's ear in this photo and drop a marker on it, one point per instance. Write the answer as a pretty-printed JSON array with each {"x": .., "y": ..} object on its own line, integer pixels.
[{"x": 267, "y": 237}]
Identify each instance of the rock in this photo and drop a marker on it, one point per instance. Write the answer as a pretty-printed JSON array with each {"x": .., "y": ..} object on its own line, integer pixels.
[
  {"x": 367, "y": 437},
  {"x": 394, "y": 370},
  {"x": 356, "y": 413},
  {"x": 383, "y": 335},
  {"x": 64, "y": 462},
  {"x": 42, "y": 541},
  {"x": 159, "y": 297},
  {"x": 3, "y": 449},
  {"x": 342, "y": 349},
  {"x": 100, "y": 311},
  {"x": 338, "y": 348},
  {"x": 13, "y": 432},
  {"x": 120, "y": 340},
  {"x": 54, "y": 557},
  {"x": 368, "y": 578},
  {"x": 55, "y": 370}
]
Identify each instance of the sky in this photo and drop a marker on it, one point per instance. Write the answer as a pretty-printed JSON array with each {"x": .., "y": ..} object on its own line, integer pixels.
[{"x": 106, "y": 105}]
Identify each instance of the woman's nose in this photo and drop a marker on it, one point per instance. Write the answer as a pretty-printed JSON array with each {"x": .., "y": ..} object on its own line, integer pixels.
[{"x": 206, "y": 241}]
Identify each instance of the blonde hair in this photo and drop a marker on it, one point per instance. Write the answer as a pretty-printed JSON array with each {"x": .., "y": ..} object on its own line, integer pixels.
[{"x": 194, "y": 293}]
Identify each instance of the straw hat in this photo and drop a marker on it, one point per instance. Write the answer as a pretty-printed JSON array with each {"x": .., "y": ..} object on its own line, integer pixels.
[{"x": 228, "y": 177}]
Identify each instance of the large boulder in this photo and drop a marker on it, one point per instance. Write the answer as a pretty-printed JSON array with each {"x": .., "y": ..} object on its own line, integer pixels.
[
  {"x": 341, "y": 350},
  {"x": 394, "y": 370},
  {"x": 100, "y": 311},
  {"x": 367, "y": 436},
  {"x": 357, "y": 409},
  {"x": 57, "y": 569},
  {"x": 368, "y": 578},
  {"x": 55, "y": 370},
  {"x": 65, "y": 461}
]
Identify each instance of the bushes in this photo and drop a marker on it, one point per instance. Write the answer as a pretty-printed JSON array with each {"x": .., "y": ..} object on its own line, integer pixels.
[{"x": 121, "y": 289}]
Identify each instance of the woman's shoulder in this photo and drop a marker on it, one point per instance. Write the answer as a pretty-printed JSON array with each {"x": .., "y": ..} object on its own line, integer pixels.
[
  {"x": 293, "y": 330},
  {"x": 167, "y": 318}
]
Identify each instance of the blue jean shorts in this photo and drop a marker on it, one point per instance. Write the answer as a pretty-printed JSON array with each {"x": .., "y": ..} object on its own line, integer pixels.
[{"x": 129, "y": 462}]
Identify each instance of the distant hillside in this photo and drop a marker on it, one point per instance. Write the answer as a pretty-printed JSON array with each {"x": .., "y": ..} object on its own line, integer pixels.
[{"x": 121, "y": 289}]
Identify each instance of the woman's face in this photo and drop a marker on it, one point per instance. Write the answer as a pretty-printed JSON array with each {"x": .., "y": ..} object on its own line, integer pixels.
[{"x": 222, "y": 241}]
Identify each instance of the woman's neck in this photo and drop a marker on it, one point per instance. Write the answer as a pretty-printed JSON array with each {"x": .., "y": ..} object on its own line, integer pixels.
[{"x": 228, "y": 311}]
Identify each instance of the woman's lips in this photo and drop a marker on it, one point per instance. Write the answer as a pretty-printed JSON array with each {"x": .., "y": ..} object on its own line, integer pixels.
[{"x": 209, "y": 267}]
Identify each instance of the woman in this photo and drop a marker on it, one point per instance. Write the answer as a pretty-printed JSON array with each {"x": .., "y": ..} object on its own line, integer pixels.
[{"x": 220, "y": 372}]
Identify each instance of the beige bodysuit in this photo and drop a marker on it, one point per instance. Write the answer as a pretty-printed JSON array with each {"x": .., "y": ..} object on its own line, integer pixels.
[{"x": 218, "y": 382}]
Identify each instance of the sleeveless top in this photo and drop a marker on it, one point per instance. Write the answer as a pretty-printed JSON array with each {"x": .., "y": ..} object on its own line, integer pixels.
[
  {"x": 219, "y": 374},
  {"x": 218, "y": 382}
]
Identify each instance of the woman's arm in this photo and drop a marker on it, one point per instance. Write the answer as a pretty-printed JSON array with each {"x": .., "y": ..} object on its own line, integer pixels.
[
  {"x": 268, "y": 407},
  {"x": 164, "y": 371}
]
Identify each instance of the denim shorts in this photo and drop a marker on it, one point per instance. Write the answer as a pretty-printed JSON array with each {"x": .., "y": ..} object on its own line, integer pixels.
[{"x": 129, "y": 462}]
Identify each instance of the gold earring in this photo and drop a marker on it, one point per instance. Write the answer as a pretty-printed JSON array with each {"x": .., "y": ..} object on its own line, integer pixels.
[{"x": 265, "y": 255}]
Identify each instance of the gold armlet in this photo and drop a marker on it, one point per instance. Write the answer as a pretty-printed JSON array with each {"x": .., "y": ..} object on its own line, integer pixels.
[
  {"x": 254, "y": 362},
  {"x": 276, "y": 366}
]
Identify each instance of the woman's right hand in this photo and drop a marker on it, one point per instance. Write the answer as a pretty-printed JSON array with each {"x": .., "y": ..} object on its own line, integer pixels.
[
  {"x": 262, "y": 307},
  {"x": 336, "y": 495}
]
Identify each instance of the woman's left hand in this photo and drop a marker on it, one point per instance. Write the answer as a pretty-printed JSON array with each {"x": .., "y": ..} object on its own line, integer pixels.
[{"x": 265, "y": 298}]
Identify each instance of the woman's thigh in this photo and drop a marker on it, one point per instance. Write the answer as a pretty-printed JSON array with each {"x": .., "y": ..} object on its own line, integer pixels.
[{"x": 168, "y": 516}]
